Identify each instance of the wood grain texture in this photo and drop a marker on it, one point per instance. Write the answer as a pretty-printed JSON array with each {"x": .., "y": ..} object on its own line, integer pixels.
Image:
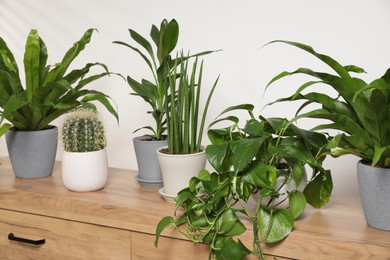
[
  {"x": 171, "y": 249},
  {"x": 63, "y": 239},
  {"x": 337, "y": 231}
]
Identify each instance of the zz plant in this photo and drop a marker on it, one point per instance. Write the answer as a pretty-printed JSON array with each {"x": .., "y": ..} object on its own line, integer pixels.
[
  {"x": 83, "y": 131},
  {"x": 50, "y": 90},
  {"x": 360, "y": 110},
  {"x": 248, "y": 160}
]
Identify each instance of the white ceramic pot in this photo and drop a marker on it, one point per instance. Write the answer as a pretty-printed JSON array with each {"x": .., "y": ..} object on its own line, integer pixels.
[
  {"x": 178, "y": 169},
  {"x": 87, "y": 171}
]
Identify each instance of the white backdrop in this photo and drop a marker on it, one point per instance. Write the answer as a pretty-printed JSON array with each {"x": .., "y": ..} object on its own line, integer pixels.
[{"x": 352, "y": 31}]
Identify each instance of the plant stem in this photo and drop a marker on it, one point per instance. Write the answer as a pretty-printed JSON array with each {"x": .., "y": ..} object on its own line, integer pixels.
[{"x": 255, "y": 221}]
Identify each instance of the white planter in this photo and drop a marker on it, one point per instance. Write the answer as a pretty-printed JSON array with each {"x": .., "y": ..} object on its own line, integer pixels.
[
  {"x": 178, "y": 169},
  {"x": 85, "y": 171}
]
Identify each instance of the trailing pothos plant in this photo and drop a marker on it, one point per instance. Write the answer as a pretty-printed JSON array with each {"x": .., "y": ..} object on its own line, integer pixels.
[
  {"x": 360, "y": 110},
  {"x": 49, "y": 91},
  {"x": 160, "y": 63},
  {"x": 248, "y": 160},
  {"x": 184, "y": 125}
]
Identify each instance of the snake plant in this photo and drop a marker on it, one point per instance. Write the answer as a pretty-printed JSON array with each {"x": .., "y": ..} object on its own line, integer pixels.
[
  {"x": 184, "y": 124},
  {"x": 50, "y": 90}
]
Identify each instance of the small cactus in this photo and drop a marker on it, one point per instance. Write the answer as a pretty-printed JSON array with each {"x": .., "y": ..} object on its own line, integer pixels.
[{"x": 83, "y": 131}]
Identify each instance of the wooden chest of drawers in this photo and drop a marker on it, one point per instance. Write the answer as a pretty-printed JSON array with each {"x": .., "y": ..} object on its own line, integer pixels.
[{"x": 119, "y": 222}]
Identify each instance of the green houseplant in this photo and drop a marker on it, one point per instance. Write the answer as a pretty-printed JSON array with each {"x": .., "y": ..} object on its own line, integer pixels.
[
  {"x": 248, "y": 160},
  {"x": 49, "y": 92},
  {"x": 157, "y": 56},
  {"x": 84, "y": 161},
  {"x": 183, "y": 157},
  {"x": 153, "y": 91},
  {"x": 361, "y": 113}
]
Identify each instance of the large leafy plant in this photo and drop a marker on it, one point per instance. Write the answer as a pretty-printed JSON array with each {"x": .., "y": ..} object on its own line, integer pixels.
[
  {"x": 49, "y": 91},
  {"x": 360, "y": 111},
  {"x": 184, "y": 125},
  {"x": 158, "y": 60},
  {"x": 248, "y": 160},
  {"x": 160, "y": 63}
]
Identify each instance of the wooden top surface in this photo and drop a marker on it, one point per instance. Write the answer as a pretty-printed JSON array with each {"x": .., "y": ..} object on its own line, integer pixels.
[{"x": 337, "y": 230}]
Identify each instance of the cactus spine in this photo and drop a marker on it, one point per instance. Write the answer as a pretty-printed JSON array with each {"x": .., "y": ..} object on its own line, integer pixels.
[{"x": 83, "y": 131}]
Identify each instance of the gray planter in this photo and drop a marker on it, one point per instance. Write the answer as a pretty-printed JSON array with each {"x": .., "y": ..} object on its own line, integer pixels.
[
  {"x": 374, "y": 189},
  {"x": 149, "y": 173},
  {"x": 32, "y": 153}
]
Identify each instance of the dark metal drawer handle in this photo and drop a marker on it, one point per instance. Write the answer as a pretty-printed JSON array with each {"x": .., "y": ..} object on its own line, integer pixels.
[{"x": 25, "y": 240}]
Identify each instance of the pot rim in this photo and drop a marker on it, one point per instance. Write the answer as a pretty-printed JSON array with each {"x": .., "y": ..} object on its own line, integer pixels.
[
  {"x": 368, "y": 164},
  {"x": 48, "y": 127},
  {"x": 203, "y": 151},
  {"x": 90, "y": 152},
  {"x": 139, "y": 139}
]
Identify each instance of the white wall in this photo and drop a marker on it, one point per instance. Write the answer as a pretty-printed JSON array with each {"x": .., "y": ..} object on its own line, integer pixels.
[{"x": 352, "y": 31}]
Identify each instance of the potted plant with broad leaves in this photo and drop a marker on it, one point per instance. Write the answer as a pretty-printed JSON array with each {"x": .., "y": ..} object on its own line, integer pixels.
[
  {"x": 153, "y": 92},
  {"x": 84, "y": 161},
  {"x": 360, "y": 111},
  {"x": 258, "y": 159},
  {"x": 49, "y": 92},
  {"x": 184, "y": 156}
]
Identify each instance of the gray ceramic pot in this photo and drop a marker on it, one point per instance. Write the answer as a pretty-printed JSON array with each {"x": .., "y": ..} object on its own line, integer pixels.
[
  {"x": 32, "y": 153},
  {"x": 374, "y": 189},
  {"x": 149, "y": 172}
]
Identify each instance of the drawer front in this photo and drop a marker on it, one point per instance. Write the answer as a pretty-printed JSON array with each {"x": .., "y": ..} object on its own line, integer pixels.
[
  {"x": 63, "y": 239},
  {"x": 172, "y": 249},
  {"x": 168, "y": 248}
]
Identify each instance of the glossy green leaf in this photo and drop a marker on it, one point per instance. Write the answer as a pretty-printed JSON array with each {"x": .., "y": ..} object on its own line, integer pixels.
[
  {"x": 141, "y": 41},
  {"x": 230, "y": 249},
  {"x": 4, "y": 128},
  {"x": 150, "y": 63},
  {"x": 257, "y": 175},
  {"x": 292, "y": 147},
  {"x": 244, "y": 151},
  {"x": 204, "y": 175},
  {"x": 43, "y": 55},
  {"x": 164, "y": 223},
  {"x": 318, "y": 190},
  {"x": 216, "y": 155},
  {"x": 245, "y": 107},
  {"x": 275, "y": 224},
  {"x": 233, "y": 119},
  {"x": 182, "y": 196},
  {"x": 255, "y": 128},
  {"x": 170, "y": 37},
  {"x": 297, "y": 203},
  {"x": 8, "y": 58},
  {"x": 155, "y": 34},
  {"x": 32, "y": 63},
  {"x": 73, "y": 52},
  {"x": 228, "y": 224}
]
